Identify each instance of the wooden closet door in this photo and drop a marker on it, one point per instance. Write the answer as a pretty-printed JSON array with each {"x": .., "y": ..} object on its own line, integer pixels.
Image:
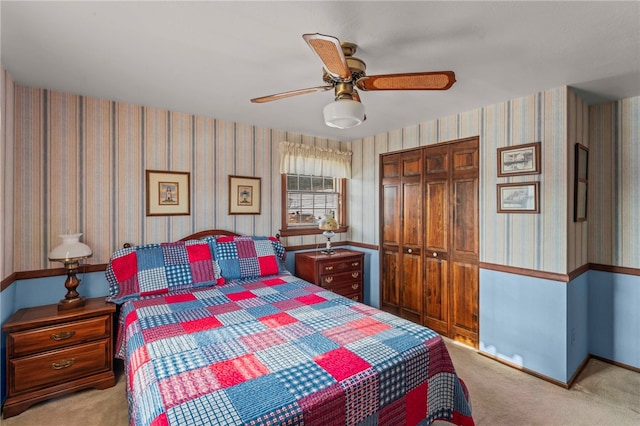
[
  {"x": 451, "y": 240},
  {"x": 436, "y": 246},
  {"x": 401, "y": 277},
  {"x": 464, "y": 242},
  {"x": 390, "y": 196},
  {"x": 411, "y": 249}
]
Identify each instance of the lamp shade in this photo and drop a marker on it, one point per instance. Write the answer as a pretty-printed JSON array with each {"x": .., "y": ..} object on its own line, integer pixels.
[
  {"x": 343, "y": 114},
  {"x": 328, "y": 223},
  {"x": 70, "y": 249}
]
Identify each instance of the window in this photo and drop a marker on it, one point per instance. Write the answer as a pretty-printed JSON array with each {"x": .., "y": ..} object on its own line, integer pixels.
[
  {"x": 307, "y": 198},
  {"x": 314, "y": 183}
]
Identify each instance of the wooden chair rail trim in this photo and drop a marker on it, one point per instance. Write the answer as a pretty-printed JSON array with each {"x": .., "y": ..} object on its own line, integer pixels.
[
  {"x": 52, "y": 272},
  {"x": 554, "y": 276},
  {"x": 615, "y": 269}
]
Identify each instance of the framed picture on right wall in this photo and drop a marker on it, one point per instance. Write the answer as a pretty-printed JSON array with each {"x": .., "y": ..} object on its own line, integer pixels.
[
  {"x": 518, "y": 197},
  {"x": 581, "y": 184},
  {"x": 519, "y": 160}
]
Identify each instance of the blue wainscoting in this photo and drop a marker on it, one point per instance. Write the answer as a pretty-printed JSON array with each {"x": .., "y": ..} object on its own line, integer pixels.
[
  {"x": 551, "y": 327},
  {"x": 523, "y": 321},
  {"x": 614, "y": 317},
  {"x": 577, "y": 332},
  {"x": 44, "y": 291}
]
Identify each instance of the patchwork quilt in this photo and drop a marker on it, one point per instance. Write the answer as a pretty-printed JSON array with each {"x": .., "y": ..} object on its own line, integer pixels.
[{"x": 281, "y": 351}]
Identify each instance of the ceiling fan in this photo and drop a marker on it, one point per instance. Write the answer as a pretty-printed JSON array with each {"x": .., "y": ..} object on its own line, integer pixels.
[{"x": 343, "y": 72}]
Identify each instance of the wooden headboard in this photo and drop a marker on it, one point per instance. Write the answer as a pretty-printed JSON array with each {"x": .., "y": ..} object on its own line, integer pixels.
[
  {"x": 209, "y": 233},
  {"x": 200, "y": 235}
]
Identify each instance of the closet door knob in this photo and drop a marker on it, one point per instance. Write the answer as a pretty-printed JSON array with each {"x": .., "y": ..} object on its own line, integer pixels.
[
  {"x": 435, "y": 254},
  {"x": 409, "y": 251}
]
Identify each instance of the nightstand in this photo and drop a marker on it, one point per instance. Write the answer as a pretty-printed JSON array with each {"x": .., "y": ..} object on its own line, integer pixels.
[
  {"x": 51, "y": 353},
  {"x": 340, "y": 272}
]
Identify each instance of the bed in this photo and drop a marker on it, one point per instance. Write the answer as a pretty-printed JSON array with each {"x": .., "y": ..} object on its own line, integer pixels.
[{"x": 213, "y": 330}]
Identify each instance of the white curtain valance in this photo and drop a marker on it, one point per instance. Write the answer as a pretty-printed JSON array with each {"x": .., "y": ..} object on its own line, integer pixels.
[{"x": 300, "y": 159}]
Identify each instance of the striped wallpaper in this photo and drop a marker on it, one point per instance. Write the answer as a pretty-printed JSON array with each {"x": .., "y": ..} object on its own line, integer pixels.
[
  {"x": 533, "y": 241},
  {"x": 577, "y": 132},
  {"x": 614, "y": 183},
  {"x": 7, "y": 143},
  {"x": 79, "y": 165},
  {"x": 550, "y": 241}
]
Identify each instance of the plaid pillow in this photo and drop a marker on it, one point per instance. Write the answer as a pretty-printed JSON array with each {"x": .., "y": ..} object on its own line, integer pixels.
[
  {"x": 248, "y": 257},
  {"x": 279, "y": 249},
  {"x": 161, "y": 268}
]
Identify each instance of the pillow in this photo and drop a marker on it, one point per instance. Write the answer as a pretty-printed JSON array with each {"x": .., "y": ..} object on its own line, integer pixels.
[
  {"x": 248, "y": 257},
  {"x": 279, "y": 249},
  {"x": 160, "y": 268}
]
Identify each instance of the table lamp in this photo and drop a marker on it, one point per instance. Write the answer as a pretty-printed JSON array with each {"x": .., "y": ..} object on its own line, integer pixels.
[
  {"x": 70, "y": 252},
  {"x": 328, "y": 224}
]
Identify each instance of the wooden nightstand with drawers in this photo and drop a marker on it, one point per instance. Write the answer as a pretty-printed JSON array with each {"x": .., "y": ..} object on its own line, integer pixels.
[
  {"x": 340, "y": 272},
  {"x": 51, "y": 353}
]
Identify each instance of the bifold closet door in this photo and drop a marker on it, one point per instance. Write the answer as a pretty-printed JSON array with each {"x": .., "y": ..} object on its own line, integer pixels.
[
  {"x": 437, "y": 228},
  {"x": 401, "y": 263},
  {"x": 464, "y": 253},
  {"x": 451, "y": 240},
  {"x": 429, "y": 237}
]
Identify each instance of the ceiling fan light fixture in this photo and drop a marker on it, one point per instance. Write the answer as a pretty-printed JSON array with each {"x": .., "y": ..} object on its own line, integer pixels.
[{"x": 343, "y": 114}]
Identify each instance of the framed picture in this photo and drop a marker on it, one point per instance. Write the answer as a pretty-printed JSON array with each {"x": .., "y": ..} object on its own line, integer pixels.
[
  {"x": 168, "y": 193},
  {"x": 519, "y": 160},
  {"x": 244, "y": 195},
  {"x": 581, "y": 184},
  {"x": 518, "y": 197}
]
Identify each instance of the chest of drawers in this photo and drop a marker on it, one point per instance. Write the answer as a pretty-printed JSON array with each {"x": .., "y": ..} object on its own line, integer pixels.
[
  {"x": 340, "y": 272},
  {"x": 51, "y": 353}
]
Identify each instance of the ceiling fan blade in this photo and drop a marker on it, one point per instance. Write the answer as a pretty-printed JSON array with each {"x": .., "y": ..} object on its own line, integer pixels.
[
  {"x": 328, "y": 49},
  {"x": 290, "y": 94},
  {"x": 440, "y": 80}
]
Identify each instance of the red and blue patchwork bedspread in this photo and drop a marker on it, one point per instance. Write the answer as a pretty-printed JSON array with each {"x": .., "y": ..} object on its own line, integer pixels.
[{"x": 281, "y": 351}]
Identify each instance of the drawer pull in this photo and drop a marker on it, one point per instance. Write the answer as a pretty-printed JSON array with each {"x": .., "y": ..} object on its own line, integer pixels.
[
  {"x": 328, "y": 280},
  {"x": 355, "y": 286},
  {"x": 355, "y": 263},
  {"x": 63, "y": 336},
  {"x": 328, "y": 268},
  {"x": 355, "y": 274},
  {"x": 63, "y": 364}
]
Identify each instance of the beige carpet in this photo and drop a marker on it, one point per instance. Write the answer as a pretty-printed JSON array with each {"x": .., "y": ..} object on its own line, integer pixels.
[{"x": 602, "y": 395}]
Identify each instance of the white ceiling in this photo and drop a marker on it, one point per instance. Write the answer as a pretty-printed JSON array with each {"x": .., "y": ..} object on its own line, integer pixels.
[{"x": 211, "y": 58}]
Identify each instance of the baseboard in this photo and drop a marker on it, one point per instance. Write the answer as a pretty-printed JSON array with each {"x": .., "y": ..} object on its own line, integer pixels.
[
  {"x": 525, "y": 370},
  {"x": 576, "y": 373},
  {"x": 574, "y": 376},
  {"x": 616, "y": 363}
]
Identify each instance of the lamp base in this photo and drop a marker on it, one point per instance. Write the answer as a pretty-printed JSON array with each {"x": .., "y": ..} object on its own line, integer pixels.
[
  {"x": 72, "y": 299},
  {"x": 328, "y": 250},
  {"x": 66, "y": 304}
]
